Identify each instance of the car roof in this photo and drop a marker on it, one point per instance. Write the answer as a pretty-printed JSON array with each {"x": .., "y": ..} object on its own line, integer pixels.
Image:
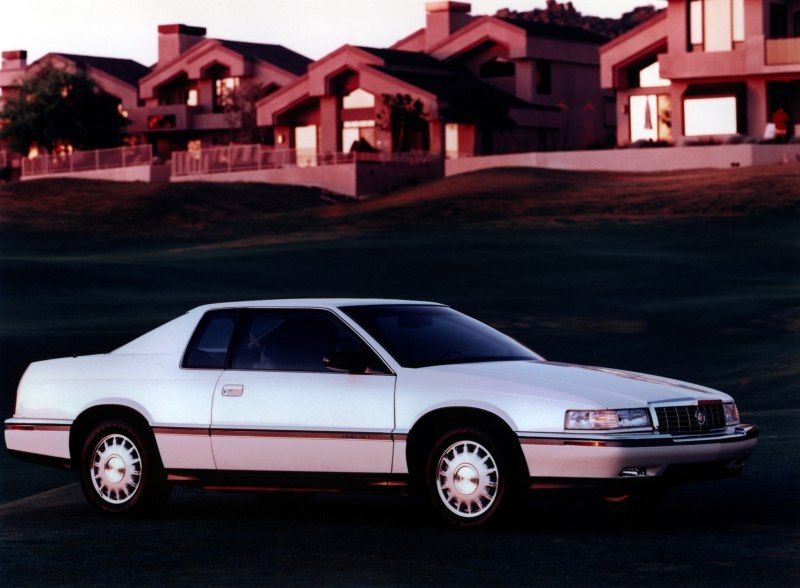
[{"x": 311, "y": 303}]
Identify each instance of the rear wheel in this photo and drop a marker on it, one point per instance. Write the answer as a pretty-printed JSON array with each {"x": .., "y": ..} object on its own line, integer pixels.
[
  {"x": 472, "y": 479},
  {"x": 120, "y": 470}
]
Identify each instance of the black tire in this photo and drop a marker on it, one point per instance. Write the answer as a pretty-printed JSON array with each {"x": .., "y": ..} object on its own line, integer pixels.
[
  {"x": 121, "y": 471},
  {"x": 472, "y": 478}
]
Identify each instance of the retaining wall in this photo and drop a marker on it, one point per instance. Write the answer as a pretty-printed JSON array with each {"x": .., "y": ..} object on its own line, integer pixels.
[{"x": 635, "y": 160}]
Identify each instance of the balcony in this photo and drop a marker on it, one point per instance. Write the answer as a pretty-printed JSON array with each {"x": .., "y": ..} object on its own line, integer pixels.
[{"x": 782, "y": 51}]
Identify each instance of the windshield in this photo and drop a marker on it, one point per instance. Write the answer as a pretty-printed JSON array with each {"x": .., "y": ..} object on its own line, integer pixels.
[{"x": 424, "y": 335}]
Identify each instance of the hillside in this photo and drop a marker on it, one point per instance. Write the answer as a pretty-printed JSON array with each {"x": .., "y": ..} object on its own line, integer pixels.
[{"x": 501, "y": 197}]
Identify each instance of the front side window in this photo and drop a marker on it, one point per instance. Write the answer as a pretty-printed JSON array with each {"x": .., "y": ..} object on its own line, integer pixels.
[
  {"x": 297, "y": 341},
  {"x": 426, "y": 335}
]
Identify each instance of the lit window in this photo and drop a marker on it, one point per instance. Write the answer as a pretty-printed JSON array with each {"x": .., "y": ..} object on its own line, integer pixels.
[
  {"x": 718, "y": 25},
  {"x": 451, "y": 144},
  {"x": 714, "y": 25},
  {"x": 223, "y": 88},
  {"x": 305, "y": 140},
  {"x": 710, "y": 116},
  {"x": 358, "y": 124},
  {"x": 191, "y": 97},
  {"x": 696, "y": 22},
  {"x": 650, "y": 118},
  {"x": 358, "y": 135},
  {"x": 650, "y": 77},
  {"x": 738, "y": 20},
  {"x": 358, "y": 98}
]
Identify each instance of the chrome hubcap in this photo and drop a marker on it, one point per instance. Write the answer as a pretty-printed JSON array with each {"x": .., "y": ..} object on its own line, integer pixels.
[
  {"x": 116, "y": 469},
  {"x": 467, "y": 479}
]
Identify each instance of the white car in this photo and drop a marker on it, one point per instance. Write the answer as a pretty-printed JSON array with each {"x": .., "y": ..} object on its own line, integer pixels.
[{"x": 332, "y": 394}]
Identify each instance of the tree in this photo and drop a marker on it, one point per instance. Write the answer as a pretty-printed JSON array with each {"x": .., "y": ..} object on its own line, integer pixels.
[
  {"x": 240, "y": 111},
  {"x": 56, "y": 108},
  {"x": 403, "y": 116}
]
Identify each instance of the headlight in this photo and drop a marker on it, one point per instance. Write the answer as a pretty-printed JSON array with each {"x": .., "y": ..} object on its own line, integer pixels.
[
  {"x": 592, "y": 420},
  {"x": 731, "y": 413}
]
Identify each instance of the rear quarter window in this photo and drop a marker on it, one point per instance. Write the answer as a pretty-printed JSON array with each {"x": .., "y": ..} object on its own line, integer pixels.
[{"x": 211, "y": 342}]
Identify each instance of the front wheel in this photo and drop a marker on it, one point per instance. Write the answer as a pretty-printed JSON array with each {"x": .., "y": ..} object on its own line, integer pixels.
[
  {"x": 472, "y": 480},
  {"x": 120, "y": 470}
]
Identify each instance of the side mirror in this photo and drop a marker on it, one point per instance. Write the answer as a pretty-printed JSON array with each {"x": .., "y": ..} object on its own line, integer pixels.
[{"x": 352, "y": 362}]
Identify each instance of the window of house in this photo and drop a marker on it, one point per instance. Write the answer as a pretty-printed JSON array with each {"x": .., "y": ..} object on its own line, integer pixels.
[
  {"x": 543, "y": 77},
  {"x": 710, "y": 116},
  {"x": 650, "y": 118},
  {"x": 650, "y": 77},
  {"x": 451, "y": 144},
  {"x": 305, "y": 140},
  {"x": 715, "y": 25},
  {"x": 223, "y": 88},
  {"x": 358, "y": 135},
  {"x": 358, "y": 98},
  {"x": 191, "y": 97}
]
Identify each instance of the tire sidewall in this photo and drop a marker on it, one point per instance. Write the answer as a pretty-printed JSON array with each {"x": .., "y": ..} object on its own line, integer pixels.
[
  {"x": 501, "y": 505},
  {"x": 150, "y": 481}
]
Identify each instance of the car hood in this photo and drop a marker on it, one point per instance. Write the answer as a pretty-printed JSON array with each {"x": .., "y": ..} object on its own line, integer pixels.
[{"x": 601, "y": 387}]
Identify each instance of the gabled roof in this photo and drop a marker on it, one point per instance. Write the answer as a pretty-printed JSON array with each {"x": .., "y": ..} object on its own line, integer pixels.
[
  {"x": 275, "y": 54},
  {"x": 451, "y": 86},
  {"x": 544, "y": 30},
  {"x": 395, "y": 58},
  {"x": 442, "y": 79},
  {"x": 127, "y": 70}
]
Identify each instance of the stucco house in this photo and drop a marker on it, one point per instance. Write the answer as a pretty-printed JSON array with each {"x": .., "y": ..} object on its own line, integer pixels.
[
  {"x": 186, "y": 97},
  {"x": 117, "y": 77},
  {"x": 481, "y": 85},
  {"x": 708, "y": 71}
]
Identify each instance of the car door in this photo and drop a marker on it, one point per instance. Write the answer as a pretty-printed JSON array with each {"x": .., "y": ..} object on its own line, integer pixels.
[{"x": 279, "y": 409}]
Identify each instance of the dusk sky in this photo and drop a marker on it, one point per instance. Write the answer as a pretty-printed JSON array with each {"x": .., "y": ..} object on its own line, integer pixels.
[{"x": 311, "y": 27}]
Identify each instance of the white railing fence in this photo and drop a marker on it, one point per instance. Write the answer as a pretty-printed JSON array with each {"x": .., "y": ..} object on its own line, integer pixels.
[
  {"x": 234, "y": 158},
  {"x": 75, "y": 161}
]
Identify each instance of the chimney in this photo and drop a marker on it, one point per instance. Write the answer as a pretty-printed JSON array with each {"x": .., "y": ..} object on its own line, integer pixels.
[
  {"x": 443, "y": 19},
  {"x": 174, "y": 39},
  {"x": 15, "y": 59}
]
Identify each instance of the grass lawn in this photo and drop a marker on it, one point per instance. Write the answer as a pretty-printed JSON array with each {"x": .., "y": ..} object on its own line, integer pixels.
[{"x": 694, "y": 276}]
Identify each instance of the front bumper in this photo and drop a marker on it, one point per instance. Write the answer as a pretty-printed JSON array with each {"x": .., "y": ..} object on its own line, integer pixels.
[{"x": 592, "y": 459}]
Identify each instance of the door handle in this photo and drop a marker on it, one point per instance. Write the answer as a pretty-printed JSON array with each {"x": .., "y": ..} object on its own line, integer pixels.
[{"x": 232, "y": 390}]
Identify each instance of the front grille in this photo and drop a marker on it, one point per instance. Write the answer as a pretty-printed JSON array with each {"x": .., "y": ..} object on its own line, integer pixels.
[{"x": 690, "y": 419}]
